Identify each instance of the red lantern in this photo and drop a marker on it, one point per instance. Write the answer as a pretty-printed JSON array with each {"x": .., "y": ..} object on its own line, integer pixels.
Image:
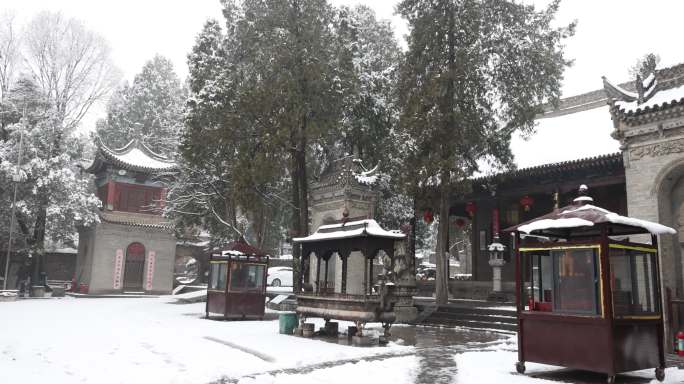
[
  {"x": 428, "y": 217},
  {"x": 470, "y": 207},
  {"x": 405, "y": 228},
  {"x": 526, "y": 202},
  {"x": 460, "y": 222}
]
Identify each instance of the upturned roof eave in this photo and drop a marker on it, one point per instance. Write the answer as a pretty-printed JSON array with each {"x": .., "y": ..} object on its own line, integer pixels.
[{"x": 111, "y": 156}]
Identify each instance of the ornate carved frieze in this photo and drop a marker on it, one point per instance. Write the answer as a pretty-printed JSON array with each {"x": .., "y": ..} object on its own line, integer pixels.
[
  {"x": 657, "y": 149},
  {"x": 654, "y": 137}
]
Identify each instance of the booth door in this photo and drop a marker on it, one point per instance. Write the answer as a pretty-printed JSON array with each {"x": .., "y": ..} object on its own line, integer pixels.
[{"x": 135, "y": 266}]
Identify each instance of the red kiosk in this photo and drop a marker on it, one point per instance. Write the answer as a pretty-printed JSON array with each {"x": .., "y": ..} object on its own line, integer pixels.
[
  {"x": 586, "y": 297},
  {"x": 237, "y": 282}
]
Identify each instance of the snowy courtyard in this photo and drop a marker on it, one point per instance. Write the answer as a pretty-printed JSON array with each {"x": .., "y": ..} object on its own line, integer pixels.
[{"x": 155, "y": 340}]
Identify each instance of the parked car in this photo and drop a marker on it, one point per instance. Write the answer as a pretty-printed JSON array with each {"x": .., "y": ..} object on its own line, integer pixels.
[
  {"x": 426, "y": 273},
  {"x": 279, "y": 276}
]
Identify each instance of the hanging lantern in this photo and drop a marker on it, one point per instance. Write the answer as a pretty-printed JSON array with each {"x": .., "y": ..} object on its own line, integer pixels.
[
  {"x": 428, "y": 217},
  {"x": 405, "y": 228},
  {"x": 460, "y": 222},
  {"x": 470, "y": 207},
  {"x": 527, "y": 202}
]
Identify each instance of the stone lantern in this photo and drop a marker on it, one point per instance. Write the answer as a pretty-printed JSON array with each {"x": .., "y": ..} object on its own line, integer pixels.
[{"x": 496, "y": 261}]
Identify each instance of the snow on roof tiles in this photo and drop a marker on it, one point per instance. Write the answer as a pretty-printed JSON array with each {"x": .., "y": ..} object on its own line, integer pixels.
[
  {"x": 568, "y": 137},
  {"x": 348, "y": 230},
  {"x": 135, "y": 156},
  {"x": 660, "y": 99},
  {"x": 138, "y": 158}
]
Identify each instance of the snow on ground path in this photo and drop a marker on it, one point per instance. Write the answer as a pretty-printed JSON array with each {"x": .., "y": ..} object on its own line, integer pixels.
[
  {"x": 496, "y": 364},
  {"x": 397, "y": 370},
  {"x": 147, "y": 340}
]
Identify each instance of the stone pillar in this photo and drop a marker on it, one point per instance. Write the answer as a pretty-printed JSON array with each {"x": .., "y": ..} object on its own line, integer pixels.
[
  {"x": 496, "y": 265},
  {"x": 496, "y": 261},
  {"x": 404, "y": 309}
]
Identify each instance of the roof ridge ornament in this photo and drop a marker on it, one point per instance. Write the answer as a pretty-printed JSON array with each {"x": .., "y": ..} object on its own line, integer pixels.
[
  {"x": 582, "y": 196},
  {"x": 645, "y": 89}
]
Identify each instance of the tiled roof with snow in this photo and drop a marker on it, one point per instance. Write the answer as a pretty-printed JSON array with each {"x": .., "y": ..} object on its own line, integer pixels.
[
  {"x": 348, "y": 171},
  {"x": 661, "y": 99},
  {"x": 580, "y": 135},
  {"x": 606, "y": 163},
  {"x": 135, "y": 156},
  {"x": 369, "y": 177},
  {"x": 661, "y": 89},
  {"x": 137, "y": 219},
  {"x": 358, "y": 228}
]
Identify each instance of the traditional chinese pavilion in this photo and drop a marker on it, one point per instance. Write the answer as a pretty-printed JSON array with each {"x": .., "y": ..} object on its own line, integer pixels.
[{"x": 132, "y": 249}]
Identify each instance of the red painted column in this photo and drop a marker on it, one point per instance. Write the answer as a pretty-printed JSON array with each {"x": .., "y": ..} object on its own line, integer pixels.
[
  {"x": 111, "y": 191},
  {"x": 495, "y": 222},
  {"x": 162, "y": 198}
]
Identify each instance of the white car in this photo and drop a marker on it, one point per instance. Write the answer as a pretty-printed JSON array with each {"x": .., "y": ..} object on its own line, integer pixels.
[{"x": 279, "y": 277}]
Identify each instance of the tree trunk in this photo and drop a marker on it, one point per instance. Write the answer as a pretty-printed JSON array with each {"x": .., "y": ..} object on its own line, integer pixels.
[
  {"x": 442, "y": 259},
  {"x": 39, "y": 241},
  {"x": 412, "y": 238},
  {"x": 294, "y": 222},
  {"x": 231, "y": 215},
  {"x": 300, "y": 202}
]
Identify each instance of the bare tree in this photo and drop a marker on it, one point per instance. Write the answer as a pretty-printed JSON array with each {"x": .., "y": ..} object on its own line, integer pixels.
[
  {"x": 9, "y": 52},
  {"x": 70, "y": 63}
]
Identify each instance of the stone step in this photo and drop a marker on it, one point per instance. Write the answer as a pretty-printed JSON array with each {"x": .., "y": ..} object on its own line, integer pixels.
[
  {"x": 457, "y": 310},
  {"x": 474, "y": 317},
  {"x": 471, "y": 324}
]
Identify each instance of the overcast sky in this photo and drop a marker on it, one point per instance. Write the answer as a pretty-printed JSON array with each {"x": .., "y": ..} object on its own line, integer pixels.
[{"x": 611, "y": 34}]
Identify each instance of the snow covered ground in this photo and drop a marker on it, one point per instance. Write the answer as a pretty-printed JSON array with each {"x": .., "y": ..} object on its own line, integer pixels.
[
  {"x": 154, "y": 340},
  {"x": 148, "y": 340}
]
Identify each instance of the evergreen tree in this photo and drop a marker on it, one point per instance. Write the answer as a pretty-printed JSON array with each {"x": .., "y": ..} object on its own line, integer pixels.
[
  {"x": 52, "y": 195},
  {"x": 150, "y": 109},
  {"x": 230, "y": 177},
  {"x": 206, "y": 194},
  {"x": 475, "y": 71},
  {"x": 289, "y": 85},
  {"x": 367, "y": 59}
]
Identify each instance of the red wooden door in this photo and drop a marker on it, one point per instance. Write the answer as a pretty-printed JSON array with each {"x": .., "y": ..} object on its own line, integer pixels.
[{"x": 135, "y": 267}]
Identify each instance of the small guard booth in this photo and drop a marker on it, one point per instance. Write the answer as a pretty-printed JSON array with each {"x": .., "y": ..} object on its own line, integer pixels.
[
  {"x": 355, "y": 293},
  {"x": 587, "y": 298},
  {"x": 237, "y": 282}
]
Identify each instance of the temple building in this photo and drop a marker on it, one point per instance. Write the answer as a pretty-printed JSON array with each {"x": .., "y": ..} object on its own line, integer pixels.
[
  {"x": 132, "y": 249},
  {"x": 649, "y": 123},
  {"x": 625, "y": 142}
]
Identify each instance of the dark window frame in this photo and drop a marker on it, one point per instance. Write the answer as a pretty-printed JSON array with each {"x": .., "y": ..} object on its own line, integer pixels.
[
  {"x": 631, "y": 252},
  {"x": 554, "y": 253},
  {"x": 259, "y": 284}
]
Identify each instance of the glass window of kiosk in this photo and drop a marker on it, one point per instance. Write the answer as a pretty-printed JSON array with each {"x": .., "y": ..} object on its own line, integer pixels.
[
  {"x": 218, "y": 273},
  {"x": 562, "y": 280},
  {"x": 246, "y": 277},
  {"x": 633, "y": 281}
]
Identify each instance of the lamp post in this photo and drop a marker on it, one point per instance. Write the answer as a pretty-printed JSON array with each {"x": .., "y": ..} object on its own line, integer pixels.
[
  {"x": 496, "y": 261},
  {"x": 16, "y": 177}
]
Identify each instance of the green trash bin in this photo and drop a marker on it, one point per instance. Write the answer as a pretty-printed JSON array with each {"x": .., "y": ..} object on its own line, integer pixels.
[{"x": 287, "y": 322}]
